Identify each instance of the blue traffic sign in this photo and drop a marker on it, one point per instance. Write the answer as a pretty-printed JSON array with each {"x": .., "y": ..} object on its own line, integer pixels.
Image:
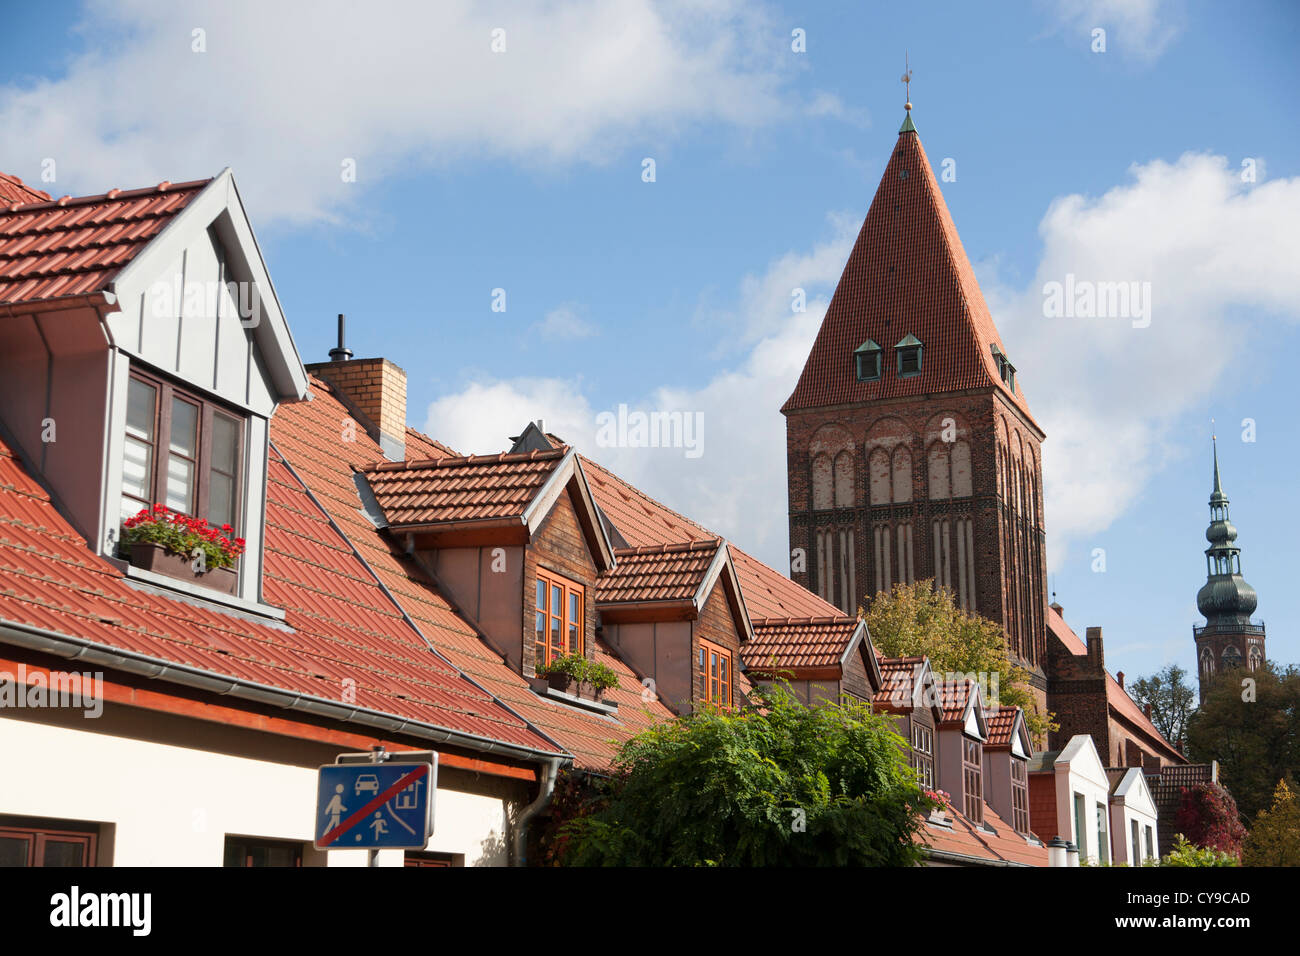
[{"x": 374, "y": 806}]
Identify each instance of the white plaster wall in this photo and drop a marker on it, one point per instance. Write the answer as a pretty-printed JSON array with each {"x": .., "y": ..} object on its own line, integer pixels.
[{"x": 174, "y": 806}]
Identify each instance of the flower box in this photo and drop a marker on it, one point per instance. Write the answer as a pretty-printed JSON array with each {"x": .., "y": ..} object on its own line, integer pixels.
[
  {"x": 566, "y": 684},
  {"x": 156, "y": 558}
]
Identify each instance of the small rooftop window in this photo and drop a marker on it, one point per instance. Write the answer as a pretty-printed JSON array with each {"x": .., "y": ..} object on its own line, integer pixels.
[
  {"x": 867, "y": 361},
  {"x": 1006, "y": 371},
  {"x": 909, "y": 356}
]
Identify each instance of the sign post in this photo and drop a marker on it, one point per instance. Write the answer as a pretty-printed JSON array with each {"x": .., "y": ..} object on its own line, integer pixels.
[{"x": 376, "y": 804}]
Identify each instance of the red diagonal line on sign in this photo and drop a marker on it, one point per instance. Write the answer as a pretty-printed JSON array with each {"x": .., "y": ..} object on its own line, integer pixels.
[{"x": 401, "y": 784}]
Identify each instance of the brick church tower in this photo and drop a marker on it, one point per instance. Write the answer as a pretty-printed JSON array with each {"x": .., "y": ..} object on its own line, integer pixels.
[
  {"x": 911, "y": 451},
  {"x": 1228, "y": 640}
]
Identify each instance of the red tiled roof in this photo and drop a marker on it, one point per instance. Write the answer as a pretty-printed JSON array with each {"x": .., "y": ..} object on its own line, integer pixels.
[
  {"x": 898, "y": 678},
  {"x": 1000, "y": 723},
  {"x": 342, "y": 625},
  {"x": 966, "y": 839},
  {"x": 953, "y": 696},
  {"x": 907, "y": 274},
  {"x": 420, "y": 445},
  {"x": 1120, "y": 703},
  {"x": 307, "y": 434},
  {"x": 14, "y": 190},
  {"x": 443, "y": 489},
  {"x": 657, "y": 572},
  {"x": 799, "y": 642},
  {"x": 76, "y": 246}
]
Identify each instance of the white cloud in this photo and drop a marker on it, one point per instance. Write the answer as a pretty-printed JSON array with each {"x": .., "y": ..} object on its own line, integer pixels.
[
  {"x": 563, "y": 322},
  {"x": 285, "y": 92},
  {"x": 1139, "y": 28},
  {"x": 1108, "y": 394},
  {"x": 736, "y": 487}
]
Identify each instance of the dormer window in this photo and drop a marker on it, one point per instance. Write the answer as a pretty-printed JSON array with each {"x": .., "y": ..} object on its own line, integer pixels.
[
  {"x": 972, "y": 754},
  {"x": 559, "y": 621},
  {"x": 181, "y": 451},
  {"x": 1006, "y": 371},
  {"x": 867, "y": 361},
  {"x": 909, "y": 356},
  {"x": 714, "y": 664},
  {"x": 1019, "y": 796},
  {"x": 923, "y": 754}
]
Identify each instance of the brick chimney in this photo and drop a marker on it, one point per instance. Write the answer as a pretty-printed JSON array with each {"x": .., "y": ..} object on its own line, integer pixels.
[
  {"x": 1120, "y": 677},
  {"x": 374, "y": 392},
  {"x": 1095, "y": 652}
]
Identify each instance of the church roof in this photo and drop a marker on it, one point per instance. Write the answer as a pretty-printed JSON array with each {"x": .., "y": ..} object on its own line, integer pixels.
[{"x": 907, "y": 275}]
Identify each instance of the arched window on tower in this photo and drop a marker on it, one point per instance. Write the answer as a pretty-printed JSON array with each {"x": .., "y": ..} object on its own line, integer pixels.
[
  {"x": 902, "y": 474},
  {"x": 844, "y": 480},
  {"x": 1207, "y": 662},
  {"x": 940, "y": 486},
  {"x": 1255, "y": 656},
  {"x": 878, "y": 466},
  {"x": 1231, "y": 658},
  {"x": 961, "y": 483},
  {"x": 821, "y": 482}
]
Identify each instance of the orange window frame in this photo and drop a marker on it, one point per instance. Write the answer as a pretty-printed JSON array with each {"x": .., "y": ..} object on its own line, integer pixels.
[
  {"x": 716, "y": 669},
  {"x": 558, "y": 620}
]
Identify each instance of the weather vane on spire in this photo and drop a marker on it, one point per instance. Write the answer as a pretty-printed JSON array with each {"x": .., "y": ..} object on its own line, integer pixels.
[{"x": 907, "y": 82}]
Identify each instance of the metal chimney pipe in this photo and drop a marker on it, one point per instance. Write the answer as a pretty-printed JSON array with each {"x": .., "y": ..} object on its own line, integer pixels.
[{"x": 342, "y": 353}]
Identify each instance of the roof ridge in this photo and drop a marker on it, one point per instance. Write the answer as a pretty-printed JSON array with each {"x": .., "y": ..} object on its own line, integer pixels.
[
  {"x": 500, "y": 458},
  {"x": 670, "y": 547},
  {"x": 113, "y": 195}
]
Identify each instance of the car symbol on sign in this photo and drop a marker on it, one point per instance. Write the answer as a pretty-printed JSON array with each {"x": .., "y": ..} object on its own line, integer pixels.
[{"x": 367, "y": 781}]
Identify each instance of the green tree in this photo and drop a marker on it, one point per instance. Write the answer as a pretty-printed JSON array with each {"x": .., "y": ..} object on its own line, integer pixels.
[
  {"x": 775, "y": 784},
  {"x": 920, "y": 619},
  {"x": 1172, "y": 701},
  {"x": 1186, "y": 854},
  {"x": 1253, "y": 731},
  {"x": 1275, "y": 838}
]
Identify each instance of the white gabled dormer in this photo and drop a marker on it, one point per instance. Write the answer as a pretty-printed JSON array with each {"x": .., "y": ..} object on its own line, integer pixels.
[
  {"x": 155, "y": 382},
  {"x": 202, "y": 355}
]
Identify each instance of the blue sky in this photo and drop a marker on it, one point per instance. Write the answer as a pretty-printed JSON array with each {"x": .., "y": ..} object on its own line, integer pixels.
[{"x": 522, "y": 170}]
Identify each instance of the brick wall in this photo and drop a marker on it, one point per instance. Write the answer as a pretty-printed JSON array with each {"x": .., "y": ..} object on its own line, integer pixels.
[
  {"x": 1010, "y": 564},
  {"x": 558, "y": 546},
  {"x": 716, "y": 625}
]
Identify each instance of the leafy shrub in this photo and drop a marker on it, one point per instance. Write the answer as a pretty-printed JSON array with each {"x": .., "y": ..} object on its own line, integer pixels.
[
  {"x": 1186, "y": 854},
  {"x": 777, "y": 783}
]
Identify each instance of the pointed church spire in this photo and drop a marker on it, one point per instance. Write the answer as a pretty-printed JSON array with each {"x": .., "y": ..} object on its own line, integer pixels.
[
  {"x": 907, "y": 275},
  {"x": 907, "y": 126},
  {"x": 1217, "y": 496}
]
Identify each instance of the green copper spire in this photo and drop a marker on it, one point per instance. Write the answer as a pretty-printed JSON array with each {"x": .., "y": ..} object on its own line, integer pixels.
[
  {"x": 1226, "y": 598},
  {"x": 1217, "y": 496},
  {"x": 907, "y": 126}
]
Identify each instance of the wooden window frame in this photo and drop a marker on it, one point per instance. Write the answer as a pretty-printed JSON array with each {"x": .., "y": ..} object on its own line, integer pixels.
[
  {"x": 905, "y": 352},
  {"x": 1019, "y": 796},
  {"x": 164, "y": 393},
  {"x": 249, "y": 843},
  {"x": 544, "y": 652},
  {"x": 972, "y": 779},
  {"x": 38, "y": 837},
  {"x": 923, "y": 754},
  {"x": 715, "y": 689},
  {"x": 872, "y": 356}
]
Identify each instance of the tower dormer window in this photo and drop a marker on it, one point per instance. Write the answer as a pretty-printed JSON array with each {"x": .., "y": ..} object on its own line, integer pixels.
[
  {"x": 867, "y": 361},
  {"x": 1006, "y": 371},
  {"x": 909, "y": 356}
]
